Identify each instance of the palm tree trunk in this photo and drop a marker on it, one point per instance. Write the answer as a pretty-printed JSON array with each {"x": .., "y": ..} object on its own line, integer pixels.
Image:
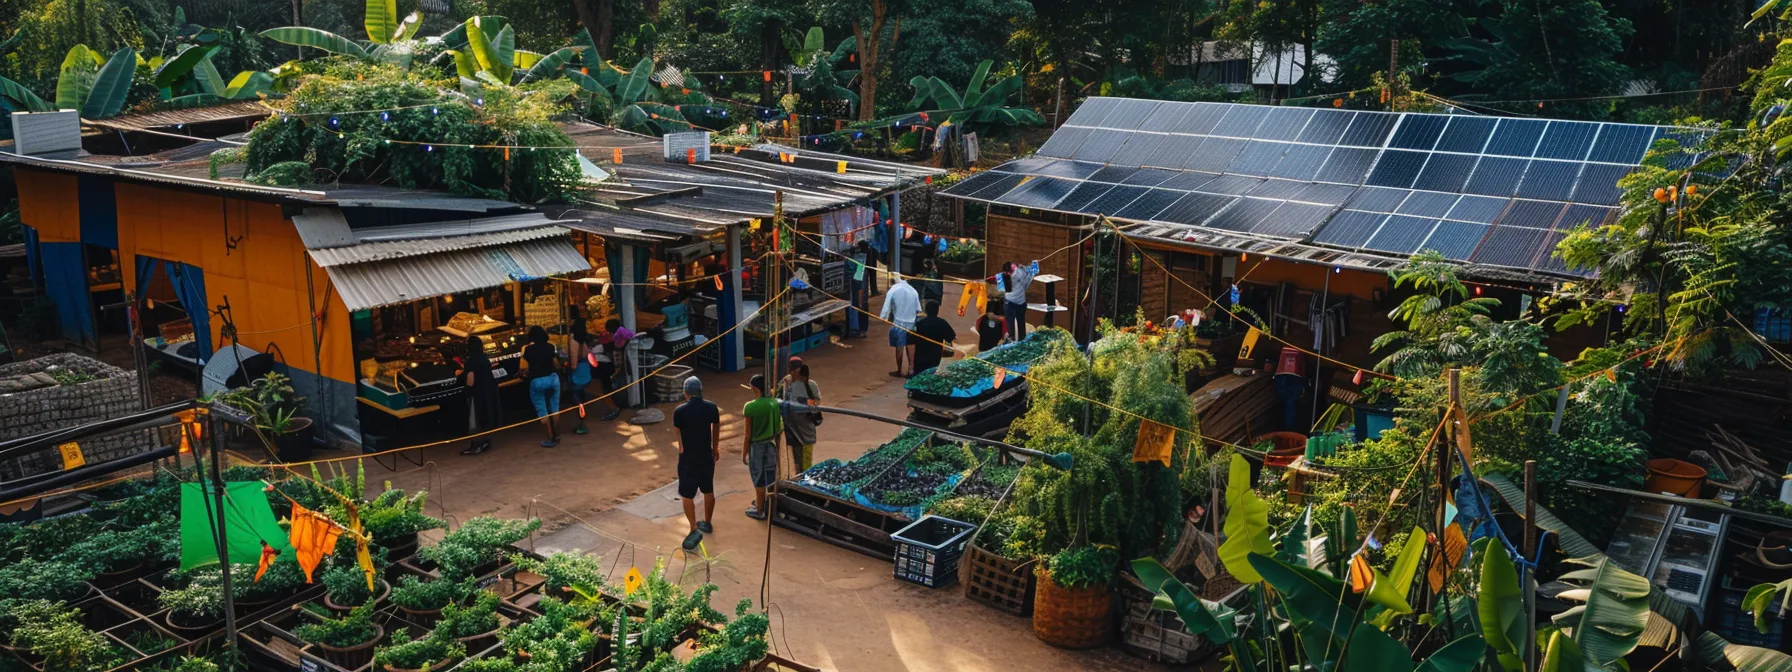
[{"x": 870, "y": 50}]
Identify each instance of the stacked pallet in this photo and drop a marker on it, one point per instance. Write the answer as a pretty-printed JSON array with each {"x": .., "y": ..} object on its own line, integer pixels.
[{"x": 1233, "y": 407}]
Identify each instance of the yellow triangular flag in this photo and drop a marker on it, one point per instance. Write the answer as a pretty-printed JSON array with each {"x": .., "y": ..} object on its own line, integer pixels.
[{"x": 632, "y": 581}]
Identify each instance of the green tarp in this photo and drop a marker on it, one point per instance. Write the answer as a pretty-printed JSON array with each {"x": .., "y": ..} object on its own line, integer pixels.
[{"x": 249, "y": 518}]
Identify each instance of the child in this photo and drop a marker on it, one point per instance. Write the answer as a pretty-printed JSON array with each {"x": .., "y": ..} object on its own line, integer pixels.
[{"x": 990, "y": 327}]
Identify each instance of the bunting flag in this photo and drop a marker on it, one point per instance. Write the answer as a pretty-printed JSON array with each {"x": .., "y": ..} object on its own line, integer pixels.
[
  {"x": 313, "y": 536},
  {"x": 268, "y": 555},
  {"x": 1155, "y": 443},
  {"x": 362, "y": 557},
  {"x": 977, "y": 291},
  {"x": 1454, "y": 546},
  {"x": 1361, "y": 574}
]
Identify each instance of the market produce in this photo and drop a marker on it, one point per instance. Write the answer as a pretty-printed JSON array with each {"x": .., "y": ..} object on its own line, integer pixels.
[
  {"x": 973, "y": 375},
  {"x": 833, "y": 474}
]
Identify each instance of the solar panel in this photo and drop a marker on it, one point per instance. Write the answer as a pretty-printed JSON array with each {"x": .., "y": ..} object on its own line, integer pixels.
[
  {"x": 1418, "y": 131},
  {"x": 1064, "y": 142},
  {"x": 1445, "y": 172},
  {"x": 1326, "y": 127},
  {"x": 1401, "y": 234},
  {"x": 1347, "y": 165},
  {"x": 1093, "y": 111},
  {"x": 1130, "y": 113},
  {"x": 1599, "y": 184},
  {"x": 976, "y": 182},
  {"x": 1113, "y": 174},
  {"x": 1427, "y": 204},
  {"x": 1187, "y": 180},
  {"x": 1166, "y": 118},
  {"x": 1325, "y": 194},
  {"x": 1369, "y": 129},
  {"x": 1531, "y": 214},
  {"x": 1040, "y": 192},
  {"x": 1546, "y": 257},
  {"x": 1139, "y": 144},
  {"x": 1510, "y": 246},
  {"x": 1455, "y": 240},
  {"x": 1172, "y": 151},
  {"x": 1244, "y": 214},
  {"x": 1301, "y": 162},
  {"x": 1622, "y": 143},
  {"x": 1071, "y": 169},
  {"x": 1284, "y": 123},
  {"x": 1080, "y": 198},
  {"x": 1117, "y": 198},
  {"x": 1258, "y": 158},
  {"x": 1377, "y": 199},
  {"x": 1202, "y": 119},
  {"x": 1234, "y": 185},
  {"x": 1496, "y": 176},
  {"x": 1215, "y": 154},
  {"x": 1478, "y": 209},
  {"x": 1293, "y": 220},
  {"x": 1350, "y": 228},
  {"x": 1578, "y": 216},
  {"x": 1281, "y": 190},
  {"x": 1101, "y": 145},
  {"x": 1567, "y": 140},
  {"x": 1466, "y": 134},
  {"x": 998, "y": 186},
  {"x": 1240, "y": 122},
  {"x": 1150, "y": 177},
  {"x": 1397, "y": 168},
  {"x": 1516, "y": 137},
  {"x": 1549, "y": 180},
  {"x": 1194, "y": 208},
  {"x": 1148, "y": 205}
]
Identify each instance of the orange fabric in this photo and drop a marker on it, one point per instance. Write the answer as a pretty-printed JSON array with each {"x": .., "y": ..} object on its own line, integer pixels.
[
  {"x": 268, "y": 554},
  {"x": 313, "y": 537},
  {"x": 1360, "y": 573},
  {"x": 49, "y": 203}
]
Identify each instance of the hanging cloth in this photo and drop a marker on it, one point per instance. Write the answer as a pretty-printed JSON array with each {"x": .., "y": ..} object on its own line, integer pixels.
[
  {"x": 251, "y": 523},
  {"x": 313, "y": 537},
  {"x": 978, "y": 291}
]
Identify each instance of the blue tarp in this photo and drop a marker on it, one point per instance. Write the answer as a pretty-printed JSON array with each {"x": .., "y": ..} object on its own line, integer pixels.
[
  {"x": 989, "y": 381},
  {"x": 65, "y": 281},
  {"x": 189, "y": 286},
  {"x": 99, "y": 211}
]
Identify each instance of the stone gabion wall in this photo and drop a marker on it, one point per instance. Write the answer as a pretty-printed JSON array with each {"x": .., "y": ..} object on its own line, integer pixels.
[{"x": 44, "y": 409}]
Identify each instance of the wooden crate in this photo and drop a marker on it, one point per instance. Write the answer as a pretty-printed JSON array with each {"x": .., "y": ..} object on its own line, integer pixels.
[
  {"x": 836, "y": 521},
  {"x": 1156, "y": 635},
  {"x": 1004, "y": 584}
]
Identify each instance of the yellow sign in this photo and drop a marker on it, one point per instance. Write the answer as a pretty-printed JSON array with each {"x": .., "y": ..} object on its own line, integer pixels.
[
  {"x": 1250, "y": 343},
  {"x": 840, "y": 167},
  {"x": 1156, "y": 441},
  {"x": 71, "y": 455},
  {"x": 632, "y": 581}
]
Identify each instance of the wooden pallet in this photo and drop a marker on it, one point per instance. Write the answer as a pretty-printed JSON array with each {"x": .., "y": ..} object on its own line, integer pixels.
[
  {"x": 1007, "y": 585},
  {"x": 836, "y": 521},
  {"x": 1156, "y": 635}
]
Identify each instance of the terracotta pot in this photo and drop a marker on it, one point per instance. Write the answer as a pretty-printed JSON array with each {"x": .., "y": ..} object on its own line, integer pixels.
[
  {"x": 384, "y": 590},
  {"x": 1072, "y": 618},
  {"x": 422, "y": 619},
  {"x": 1675, "y": 477},
  {"x": 482, "y": 641},
  {"x": 118, "y": 578},
  {"x": 190, "y": 631},
  {"x": 352, "y": 657}
]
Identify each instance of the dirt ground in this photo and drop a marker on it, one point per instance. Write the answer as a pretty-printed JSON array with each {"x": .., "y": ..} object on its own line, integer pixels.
[{"x": 611, "y": 493}]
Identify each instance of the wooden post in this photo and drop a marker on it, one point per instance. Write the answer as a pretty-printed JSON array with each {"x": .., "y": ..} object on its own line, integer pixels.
[
  {"x": 1528, "y": 578},
  {"x": 1058, "y": 108}
]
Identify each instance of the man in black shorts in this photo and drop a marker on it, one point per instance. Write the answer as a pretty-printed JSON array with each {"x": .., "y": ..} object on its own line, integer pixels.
[{"x": 699, "y": 426}]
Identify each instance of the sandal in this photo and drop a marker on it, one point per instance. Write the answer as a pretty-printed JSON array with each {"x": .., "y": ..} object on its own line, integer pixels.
[
  {"x": 550, "y": 443},
  {"x": 754, "y": 513}
]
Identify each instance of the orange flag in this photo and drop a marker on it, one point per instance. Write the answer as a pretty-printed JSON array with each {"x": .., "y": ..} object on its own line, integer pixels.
[
  {"x": 362, "y": 557},
  {"x": 268, "y": 555},
  {"x": 313, "y": 537}
]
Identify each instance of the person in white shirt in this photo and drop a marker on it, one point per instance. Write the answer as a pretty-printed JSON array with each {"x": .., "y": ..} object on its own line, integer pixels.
[
  {"x": 901, "y": 304},
  {"x": 1014, "y": 280}
]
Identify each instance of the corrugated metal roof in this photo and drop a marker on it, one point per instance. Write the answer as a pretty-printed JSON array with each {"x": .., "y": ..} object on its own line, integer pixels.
[
  {"x": 388, "y": 250},
  {"x": 242, "y": 111},
  {"x": 380, "y": 283},
  {"x": 323, "y": 227}
]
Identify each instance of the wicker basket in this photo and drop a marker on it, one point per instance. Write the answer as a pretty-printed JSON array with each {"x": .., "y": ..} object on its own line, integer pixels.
[
  {"x": 1072, "y": 618},
  {"x": 1005, "y": 584}
]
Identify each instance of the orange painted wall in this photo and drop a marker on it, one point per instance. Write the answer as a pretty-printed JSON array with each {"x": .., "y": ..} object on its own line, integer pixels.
[
  {"x": 49, "y": 202},
  {"x": 261, "y": 270}
]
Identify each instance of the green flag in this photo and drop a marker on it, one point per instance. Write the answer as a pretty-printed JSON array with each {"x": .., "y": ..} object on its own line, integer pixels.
[{"x": 249, "y": 518}]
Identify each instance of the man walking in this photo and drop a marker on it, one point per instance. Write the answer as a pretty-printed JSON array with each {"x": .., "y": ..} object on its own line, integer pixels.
[
  {"x": 699, "y": 426},
  {"x": 797, "y": 390},
  {"x": 933, "y": 334},
  {"x": 764, "y": 421},
  {"x": 900, "y": 306}
]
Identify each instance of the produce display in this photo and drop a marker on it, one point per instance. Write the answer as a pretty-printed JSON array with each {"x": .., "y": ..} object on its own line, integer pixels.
[
  {"x": 975, "y": 375},
  {"x": 910, "y": 473},
  {"x": 835, "y": 476}
]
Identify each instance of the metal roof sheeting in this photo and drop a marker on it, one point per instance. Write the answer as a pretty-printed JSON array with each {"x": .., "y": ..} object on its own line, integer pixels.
[
  {"x": 380, "y": 283},
  {"x": 400, "y": 249}
]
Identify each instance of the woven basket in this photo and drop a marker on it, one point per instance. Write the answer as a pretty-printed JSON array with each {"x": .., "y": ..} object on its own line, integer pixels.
[
  {"x": 1005, "y": 584},
  {"x": 1072, "y": 618}
]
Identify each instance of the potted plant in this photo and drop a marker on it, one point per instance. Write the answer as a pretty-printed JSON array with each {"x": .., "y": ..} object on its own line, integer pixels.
[
  {"x": 53, "y": 633},
  {"x": 345, "y": 589},
  {"x": 478, "y": 546},
  {"x": 345, "y": 642},
  {"x": 196, "y": 607},
  {"x": 393, "y": 520},
  {"x": 737, "y": 645},
  {"x": 475, "y": 625},
  {"x": 435, "y": 651},
  {"x": 273, "y": 407},
  {"x": 55, "y": 580},
  {"x": 422, "y": 601},
  {"x": 117, "y": 556},
  {"x": 561, "y": 636},
  {"x": 1073, "y": 608},
  {"x": 562, "y": 572},
  {"x": 282, "y": 578},
  {"x": 963, "y": 258}
]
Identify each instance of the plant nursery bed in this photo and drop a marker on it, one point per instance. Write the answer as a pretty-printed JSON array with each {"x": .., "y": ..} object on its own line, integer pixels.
[{"x": 836, "y": 521}]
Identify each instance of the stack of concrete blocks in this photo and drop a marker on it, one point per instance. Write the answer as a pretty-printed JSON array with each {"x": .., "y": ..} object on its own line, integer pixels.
[{"x": 33, "y": 402}]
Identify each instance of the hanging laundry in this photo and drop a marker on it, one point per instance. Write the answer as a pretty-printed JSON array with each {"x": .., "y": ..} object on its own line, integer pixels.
[
  {"x": 976, "y": 290},
  {"x": 313, "y": 537}
]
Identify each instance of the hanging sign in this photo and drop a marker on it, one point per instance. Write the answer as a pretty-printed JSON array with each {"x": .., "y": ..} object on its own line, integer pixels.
[
  {"x": 1156, "y": 440},
  {"x": 1250, "y": 343},
  {"x": 71, "y": 455}
]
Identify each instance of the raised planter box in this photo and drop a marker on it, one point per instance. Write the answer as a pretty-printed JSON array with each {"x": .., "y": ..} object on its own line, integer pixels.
[
  {"x": 972, "y": 268},
  {"x": 1006, "y": 585}
]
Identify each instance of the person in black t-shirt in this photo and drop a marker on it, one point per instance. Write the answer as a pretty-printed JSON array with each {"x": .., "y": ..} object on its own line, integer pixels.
[
  {"x": 699, "y": 426},
  {"x": 990, "y": 327},
  {"x": 934, "y": 334},
  {"x": 484, "y": 411},
  {"x": 542, "y": 364}
]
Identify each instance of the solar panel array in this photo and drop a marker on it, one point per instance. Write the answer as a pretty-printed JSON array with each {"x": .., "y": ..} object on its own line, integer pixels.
[{"x": 1483, "y": 190}]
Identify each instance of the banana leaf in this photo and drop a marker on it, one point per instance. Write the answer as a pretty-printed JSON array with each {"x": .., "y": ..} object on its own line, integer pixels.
[
  {"x": 549, "y": 65},
  {"x": 18, "y": 95},
  {"x": 1571, "y": 542},
  {"x": 525, "y": 59},
  {"x": 1562, "y": 655},
  {"x": 505, "y": 46},
  {"x": 301, "y": 36},
  {"x": 1390, "y": 590},
  {"x": 1215, "y": 621},
  {"x": 111, "y": 86},
  {"x": 1617, "y": 610},
  {"x": 1712, "y": 651},
  {"x": 193, "y": 100},
  {"x": 12, "y": 43},
  {"x": 464, "y": 64},
  {"x": 1461, "y": 655},
  {"x": 381, "y": 21},
  {"x": 487, "y": 78},
  {"x": 1324, "y": 602},
  {"x": 586, "y": 82},
  {"x": 997, "y": 95},
  {"x": 248, "y": 85},
  {"x": 79, "y": 68},
  {"x": 209, "y": 78},
  {"x": 397, "y": 54},
  {"x": 973, "y": 91},
  {"x": 456, "y": 37},
  {"x": 1500, "y": 603},
  {"x": 1294, "y": 550},
  {"x": 587, "y": 47},
  {"x": 407, "y": 29},
  {"x": 487, "y": 44},
  {"x": 633, "y": 89},
  {"x": 183, "y": 62},
  {"x": 1372, "y": 650}
]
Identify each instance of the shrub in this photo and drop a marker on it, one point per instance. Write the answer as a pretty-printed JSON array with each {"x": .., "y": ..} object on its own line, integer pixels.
[
  {"x": 475, "y": 619},
  {"x": 53, "y": 631},
  {"x": 392, "y": 516},
  {"x": 33, "y": 579},
  {"x": 201, "y": 600},
  {"x": 480, "y": 541},
  {"x": 347, "y": 586},
  {"x": 349, "y": 631},
  {"x": 414, "y": 654},
  {"x": 419, "y": 595},
  {"x": 564, "y": 570},
  {"x": 1084, "y": 566}
]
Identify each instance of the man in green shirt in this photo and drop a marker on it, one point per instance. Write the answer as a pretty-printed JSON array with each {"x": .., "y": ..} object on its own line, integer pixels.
[{"x": 764, "y": 421}]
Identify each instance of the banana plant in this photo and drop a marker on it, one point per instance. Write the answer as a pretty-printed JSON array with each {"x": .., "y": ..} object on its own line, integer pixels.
[
  {"x": 390, "y": 40},
  {"x": 1714, "y": 652},
  {"x": 484, "y": 52},
  {"x": 87, "y": 83},
  {"x": 635, "y": 102},
  {"x": 1610, "y": 624},
  {"x": 975, "y": 107}
]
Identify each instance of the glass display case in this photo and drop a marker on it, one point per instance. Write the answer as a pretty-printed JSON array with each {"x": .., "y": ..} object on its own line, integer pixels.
[{"x": 1676, "y": 547}]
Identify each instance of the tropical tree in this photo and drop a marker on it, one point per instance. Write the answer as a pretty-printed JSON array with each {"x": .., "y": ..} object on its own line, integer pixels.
[
  {"x": 974, "y": 108},
  {"x": 632, "y": 101},
  {"x": 97, "y": 87},
  {"x": 870, "y": 19},
  {"x": 389, "y": 40}
]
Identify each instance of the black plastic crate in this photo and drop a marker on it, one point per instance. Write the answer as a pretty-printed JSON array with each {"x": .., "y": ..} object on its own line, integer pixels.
[{"x": 928, "y": 550}]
